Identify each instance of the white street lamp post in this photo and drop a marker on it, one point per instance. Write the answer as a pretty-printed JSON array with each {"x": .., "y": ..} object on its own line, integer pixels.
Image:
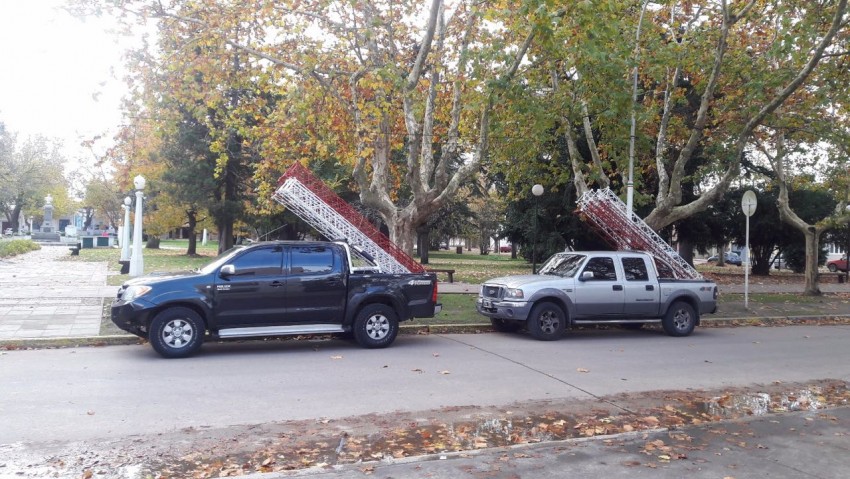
[
  {"x": 136, "y": 261},
  {"x": 125, "y": 230},
  {"x": 748, "y": 205},
  {"x": 536, "y": 190}
]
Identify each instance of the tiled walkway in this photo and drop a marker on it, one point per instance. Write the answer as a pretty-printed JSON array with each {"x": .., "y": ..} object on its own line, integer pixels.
[{"x": 42, "y": 296}]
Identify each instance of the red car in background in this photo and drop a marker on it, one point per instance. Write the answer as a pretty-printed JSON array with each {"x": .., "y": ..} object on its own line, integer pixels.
[
  {"x": 837, "y": 264},
  {"x": 505, "y": 248}
]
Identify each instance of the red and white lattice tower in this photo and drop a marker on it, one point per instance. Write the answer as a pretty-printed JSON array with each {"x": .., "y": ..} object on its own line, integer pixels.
[
  {"x": 312, "y": 201},
  {"x": 607, "y": 213}
]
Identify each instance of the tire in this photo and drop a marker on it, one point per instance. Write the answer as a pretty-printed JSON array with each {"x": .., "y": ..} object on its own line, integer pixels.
[
  {"x": 376, "y": 326},
  {"x": 547, "y": 322},
  {"x": 176, "y": 332},
  {"x": 832, "y": 268},
  {"x": 504, "y": 325},
  {"x": 680, "y": 319}
]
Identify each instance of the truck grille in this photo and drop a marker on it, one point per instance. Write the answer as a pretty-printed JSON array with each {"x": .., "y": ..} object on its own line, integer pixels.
[{"x": 492, "y": 291}]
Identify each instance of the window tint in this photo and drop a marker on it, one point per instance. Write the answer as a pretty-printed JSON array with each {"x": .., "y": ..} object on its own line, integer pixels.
[
  {"x": 260, "y": 262},
  {"x": 635, "y": 269},
  {"x": 602, "y": 268},
  {"x": 312, "y": 260}
]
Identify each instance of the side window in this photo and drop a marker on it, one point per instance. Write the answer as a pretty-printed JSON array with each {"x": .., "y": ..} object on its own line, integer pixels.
[
  {"x": 312, "y": 260},
  {"x": 602, "y": 268},
  {"x": 260, "y": 262},
  {"x": 635, "y": 269}
]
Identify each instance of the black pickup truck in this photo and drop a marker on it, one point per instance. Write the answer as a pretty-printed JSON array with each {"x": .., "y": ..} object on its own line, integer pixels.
[{"x": 272, "y": 289}]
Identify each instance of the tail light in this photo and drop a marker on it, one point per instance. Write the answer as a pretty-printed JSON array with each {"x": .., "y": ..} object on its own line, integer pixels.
[{"x": 434, "y": 294}]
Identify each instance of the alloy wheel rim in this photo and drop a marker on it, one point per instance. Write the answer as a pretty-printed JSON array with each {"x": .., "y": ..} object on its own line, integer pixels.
[
  {"x": 177, "y": 333},
  {"x": 377, "y": 326},
  {"x": 682, "y": 320},
  {"x": 548, "y": 322}
]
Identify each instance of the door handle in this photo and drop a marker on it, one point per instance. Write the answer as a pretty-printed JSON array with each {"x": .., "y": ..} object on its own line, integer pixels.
[
  {"x": 276, "y": 283},
  {"x": 617, "y": 287},
  {"x": 650, "y": 287}
]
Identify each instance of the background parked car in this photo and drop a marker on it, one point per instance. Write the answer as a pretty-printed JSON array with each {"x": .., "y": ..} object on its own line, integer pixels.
[
  {"x": 837, "y": 264},
  {"x": 505, "y": 248},
  {"x": 731, "y": 258}
]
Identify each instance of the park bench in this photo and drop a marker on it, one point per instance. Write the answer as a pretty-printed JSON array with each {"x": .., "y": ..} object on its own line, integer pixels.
[
  {"x": 75, "y": 250},
  {"x": 449, "y": 272},
  {"x": 837, "y": 275}
]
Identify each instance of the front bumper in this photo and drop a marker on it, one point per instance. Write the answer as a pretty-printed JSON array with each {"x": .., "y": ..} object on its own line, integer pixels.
[
  {"x": 515, "y": 310},
  {"x": 132, "y": 316}
]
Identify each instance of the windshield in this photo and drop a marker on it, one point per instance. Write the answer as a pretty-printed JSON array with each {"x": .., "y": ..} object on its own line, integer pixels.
[
  {"x": 562, "y": 264},
  {"x": 221, "y": 259}
]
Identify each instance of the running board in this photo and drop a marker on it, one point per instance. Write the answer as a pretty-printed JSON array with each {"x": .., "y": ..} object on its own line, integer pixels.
[
  {"x": 280, "y": 330},
  {"x": 615, "y": 321}
]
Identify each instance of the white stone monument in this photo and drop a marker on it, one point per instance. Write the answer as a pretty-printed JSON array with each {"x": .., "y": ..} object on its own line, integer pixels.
[{"x": 47, "y": 224}]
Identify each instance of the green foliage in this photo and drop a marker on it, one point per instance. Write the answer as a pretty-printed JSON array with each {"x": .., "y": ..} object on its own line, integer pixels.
[{"x": 15, "y": 247}]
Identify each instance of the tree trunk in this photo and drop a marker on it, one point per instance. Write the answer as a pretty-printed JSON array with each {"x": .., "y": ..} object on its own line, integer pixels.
[
  {"x": 686, "y": 251},
  {"x": 193, "y": 241},
  {"x": 423, "y": 243},
  {"x": 153, "y": 242},
  {"x": 811, "y": 274},
  {"x": 16, "y": 214}
]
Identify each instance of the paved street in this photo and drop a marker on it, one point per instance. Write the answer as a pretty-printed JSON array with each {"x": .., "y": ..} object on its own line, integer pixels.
[{"x": 95, "y": 393}]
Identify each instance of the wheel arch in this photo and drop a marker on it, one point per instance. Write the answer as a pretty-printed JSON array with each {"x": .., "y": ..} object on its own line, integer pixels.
[
  {"x": 367, "y": 300},
  {"x": 557, "y": 297},
  {"x": 691, "y": 299},
  {"x": 202, "y": 311}
]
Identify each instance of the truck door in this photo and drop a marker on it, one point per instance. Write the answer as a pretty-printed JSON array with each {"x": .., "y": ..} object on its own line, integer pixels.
[
  {"x": 641, "y": 294},
  {"x": 254, "y": 295},
  {"x": 601, "y": 295},
  {"x": 316, "y": 288}
]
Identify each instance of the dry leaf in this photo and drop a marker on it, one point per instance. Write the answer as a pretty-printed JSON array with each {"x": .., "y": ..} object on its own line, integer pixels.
[{"x": 582, "y": 370}]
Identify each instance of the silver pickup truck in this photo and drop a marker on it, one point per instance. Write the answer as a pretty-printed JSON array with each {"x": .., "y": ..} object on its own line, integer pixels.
[{"x": 599, "y": 287}]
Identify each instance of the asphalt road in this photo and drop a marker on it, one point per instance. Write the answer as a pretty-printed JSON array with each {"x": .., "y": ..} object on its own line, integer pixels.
[{"x": 88, "y": 394}]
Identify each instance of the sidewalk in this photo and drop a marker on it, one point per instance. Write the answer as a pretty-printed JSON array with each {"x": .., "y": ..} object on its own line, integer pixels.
[{"x": 43, "y": 297}]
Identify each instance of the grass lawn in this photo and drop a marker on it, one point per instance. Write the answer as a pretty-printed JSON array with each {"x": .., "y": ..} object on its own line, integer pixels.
[{"x": 471, "y": 267}]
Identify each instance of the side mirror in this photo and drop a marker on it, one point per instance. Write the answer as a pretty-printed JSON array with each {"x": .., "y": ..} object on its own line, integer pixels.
[
  {"x": 586, "y": 275},
  {"x": 227, "y": 270}
]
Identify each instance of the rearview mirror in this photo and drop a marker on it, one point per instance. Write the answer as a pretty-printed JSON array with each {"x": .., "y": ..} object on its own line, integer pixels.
[
  {"x": 227, "y": 270},
  {"x": 586, "y": 275}
]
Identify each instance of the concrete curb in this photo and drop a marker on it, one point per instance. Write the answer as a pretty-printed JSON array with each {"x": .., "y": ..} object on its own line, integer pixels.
[{"x": 473, "y": 328}]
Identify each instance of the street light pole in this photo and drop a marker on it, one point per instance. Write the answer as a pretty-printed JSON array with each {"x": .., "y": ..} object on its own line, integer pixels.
[
  {"x": 125, "y": 230},
  {"x": 536, "y": 190},
  {"x": 847, "y": 252},
  {"x": 136, "y": 261}
]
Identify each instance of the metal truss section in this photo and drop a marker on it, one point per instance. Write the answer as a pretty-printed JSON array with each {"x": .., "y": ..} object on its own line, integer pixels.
[
  {"x": 607, "y": 213},
  {"x": 312, "y": 201}
]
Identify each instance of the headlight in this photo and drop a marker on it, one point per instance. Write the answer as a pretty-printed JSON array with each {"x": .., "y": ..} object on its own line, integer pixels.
[
  {"x": 135, "y": 291},
  {"x": 513, "y": 293}
]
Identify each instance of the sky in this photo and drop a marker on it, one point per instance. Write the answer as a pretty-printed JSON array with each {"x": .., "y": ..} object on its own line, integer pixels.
[{"x": 60, "y": 76}]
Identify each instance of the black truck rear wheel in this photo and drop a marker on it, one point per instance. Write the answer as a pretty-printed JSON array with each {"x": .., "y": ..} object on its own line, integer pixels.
[{"x": 376, "y": 326}]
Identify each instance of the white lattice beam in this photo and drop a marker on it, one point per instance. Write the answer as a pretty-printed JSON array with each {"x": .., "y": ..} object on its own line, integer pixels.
[{"x": 315, "y": 212}]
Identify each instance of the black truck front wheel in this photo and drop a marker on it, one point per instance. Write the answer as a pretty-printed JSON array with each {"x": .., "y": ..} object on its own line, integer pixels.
[
  {"x": 376, "y": 326},
  {"x": 176, "y": 332},
  {"x": 680, "y": 319}
]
